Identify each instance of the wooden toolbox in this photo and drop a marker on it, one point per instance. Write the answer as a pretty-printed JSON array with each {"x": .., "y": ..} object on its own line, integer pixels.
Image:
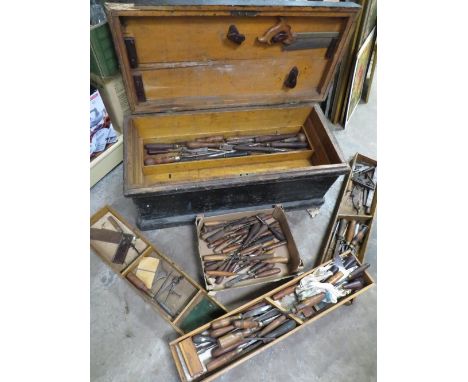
[
  {"x": 195, "y": 366},
  {"x": 350, "y": 207},
  {"x": 168, "y": 289},
  {"x": 287, "y": 251},
  {"x": 196, "y": 69}
]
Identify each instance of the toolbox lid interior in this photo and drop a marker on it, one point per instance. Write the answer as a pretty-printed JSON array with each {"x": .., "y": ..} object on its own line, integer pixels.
[{"x": 175, "y": 55}]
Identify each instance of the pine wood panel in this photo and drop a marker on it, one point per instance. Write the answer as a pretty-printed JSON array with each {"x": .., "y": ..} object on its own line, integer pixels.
[
  {"x": 203, "y": 38},
  {"x": 221, "y": 81}
]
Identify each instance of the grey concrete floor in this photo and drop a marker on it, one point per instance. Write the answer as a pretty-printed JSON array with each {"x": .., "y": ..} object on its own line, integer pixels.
[{"x": 129, "y": 341}]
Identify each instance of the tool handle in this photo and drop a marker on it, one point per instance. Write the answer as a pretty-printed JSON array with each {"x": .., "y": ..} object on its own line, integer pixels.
[
  {"x": 231, "y": 338},
  {"x": 311, "y": 301},
  {"x": 354, "y": 285},
  {"x": 284, "y": 292},
  {"x": 272, "y": 325},
  {"x": 221, "y": 360},
  {"x": 290, "y": 145},
  {"x": 358, "y": 271},
  {"x": 273, "y": 138},
  {"x": 360, "y": 236},
  {"x": 215, "y": 138},
  {"x": 221, "y": 331},
  {"x": 220, "y": 273},
  {"x": 269, "y": 272},
  {"x": 200, "y": 145},
  {"x": 160, "y": 146},
  {"x": 350, "y": 231},
  {"x": 137, "y": 282},
  {"x": 225, "y": 321},
  {"x": 246, "y": 324},
  {"x": 277, "y": 260},
  {"x": 215, "y": 257},
  {"x": 161, "y": 160},
  {"x": 335, "y": 278},
  {"x": 220, "y": 351}
]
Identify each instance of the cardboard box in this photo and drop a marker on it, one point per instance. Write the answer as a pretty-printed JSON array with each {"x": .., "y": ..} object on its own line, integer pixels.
[{"x": 289, "y": 250}]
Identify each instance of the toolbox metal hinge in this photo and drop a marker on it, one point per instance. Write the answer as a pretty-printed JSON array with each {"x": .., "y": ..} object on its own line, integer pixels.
[
  {"x": 139, "y": 89},
  {"x": 245, "y": 13},
  {"x": 131, "y": 52}
]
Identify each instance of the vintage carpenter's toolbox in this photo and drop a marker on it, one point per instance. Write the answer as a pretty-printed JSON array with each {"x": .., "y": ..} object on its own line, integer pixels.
[
  {"x": 194, "y": 366},
  {"x": 186, "y": 79},
  {"x": 350, "y": 207},
  {"x": 289, "y": 250},
  {"x": 169, "y": 290}
]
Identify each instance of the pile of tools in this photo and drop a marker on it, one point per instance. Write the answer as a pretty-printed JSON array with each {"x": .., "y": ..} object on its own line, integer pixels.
[
  {"x": 171, "y": 280},
  {"x": 234, "y": 336},
  {"x": 242, "y": 249},
  {"x": 362, "y": 187},
  {"x": 220, "y": 147},
  {"x": 325, "y": 286},
  {"x": 348, "y": 235}
]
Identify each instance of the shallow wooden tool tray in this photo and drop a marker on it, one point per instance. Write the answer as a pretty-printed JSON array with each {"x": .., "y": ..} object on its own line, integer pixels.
[
  {"x": 190, "y": 307},
  {"x": 267, "y": 298},
  {"x": 289, "y": 250},
  {"x": 185, "y": 79},
  {"x": 344, "y": 210}
]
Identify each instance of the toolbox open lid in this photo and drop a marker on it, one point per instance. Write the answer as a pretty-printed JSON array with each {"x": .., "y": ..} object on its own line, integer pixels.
[{"x": 187, "y": 55}]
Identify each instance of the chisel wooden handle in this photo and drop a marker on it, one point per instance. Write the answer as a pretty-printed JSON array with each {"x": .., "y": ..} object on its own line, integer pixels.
[
  {"x": 225, "y": 321},
  {"x": 350, "y": 231},
  {"x": 354, "y": 285},
  {"x": 212, "y": 267},
  {"x": 221, "y": 360},
  {"x": 275, "y": 260},
  {"x": 221, "y": 331},
  {"x": 232, "y": 338},
  {"x": 334, "y": 278},
  {"x": 200, "y": 145},
  {"x": 269, "y": 272},
  {"x": 272, "y": 325},
  {"x": 308, "y": 311},
  {"x": 215, "y": 257},
  {"x": 360, "y": 235},
  {"x": 290, "y": 145},
  {"x": 220, "y": 351},
  {"x": 272, "y": 138},
  {"x": 161, "y": 146},
  {"x": 246, "y": 324},
  {"x": 357, "y": 272},
  {"x": 161, "y": 160},
  {"x": 284, "y": 292},
  {"x": 137, "y": 282},
  {"x": 216, "y": 138},
  {"x": 220, "y": 273},
  {"x": 311, "y": 301}
]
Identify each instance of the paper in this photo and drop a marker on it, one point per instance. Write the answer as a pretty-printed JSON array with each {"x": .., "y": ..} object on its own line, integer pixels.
[{"x": 146, "y": 270}]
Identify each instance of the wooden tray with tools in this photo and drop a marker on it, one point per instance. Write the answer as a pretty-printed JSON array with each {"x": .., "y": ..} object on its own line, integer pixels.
[
  {"x": 354, "y": 212},
  {"x": 227, "y": 70},
  {"x": 160, "y": 281},
  {"x": 216, "y": 347}
]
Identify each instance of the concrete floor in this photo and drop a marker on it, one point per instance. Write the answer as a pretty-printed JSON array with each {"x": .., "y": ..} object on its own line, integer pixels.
[{"x": 129, "y": 341}]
